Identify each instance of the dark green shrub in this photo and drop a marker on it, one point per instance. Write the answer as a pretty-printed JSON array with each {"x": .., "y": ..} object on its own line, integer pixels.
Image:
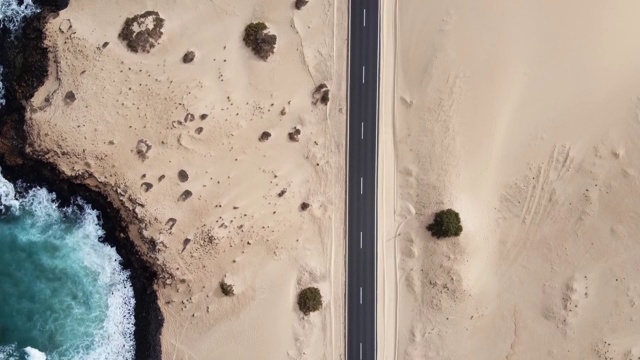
[
  {"x": 446, "y": 224},
  {"x": 227, "y": 289},
  {"x": 309, "y": 300},
  {"x": 259, "y": 40},
  {"x": 142, "y": 32}
]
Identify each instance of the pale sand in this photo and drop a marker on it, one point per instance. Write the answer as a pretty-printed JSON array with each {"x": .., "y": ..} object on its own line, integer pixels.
[
  {"x": 523, "y": 116},
  {"x": 237, "y": 225}
]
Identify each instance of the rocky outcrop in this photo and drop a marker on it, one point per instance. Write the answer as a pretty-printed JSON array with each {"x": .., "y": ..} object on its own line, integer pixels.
[{"x": 25, "y": 61}]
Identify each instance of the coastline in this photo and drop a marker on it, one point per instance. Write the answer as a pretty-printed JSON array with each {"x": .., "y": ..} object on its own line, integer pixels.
[{"x": 17, "y": 165}]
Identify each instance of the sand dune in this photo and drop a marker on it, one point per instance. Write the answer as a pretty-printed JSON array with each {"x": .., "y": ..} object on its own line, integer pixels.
[
  {"x": 175, "y": 145},
  {"x": 523, "y": 116}
]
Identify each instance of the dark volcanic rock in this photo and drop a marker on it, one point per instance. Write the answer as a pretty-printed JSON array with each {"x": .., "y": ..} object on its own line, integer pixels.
[
  {"x": 69, "y": 97},
  {"x": 204, "y": 116},
  {"x": 264, "y": 136},
  {"x": 188, "y": 57},
  {"x": 183, "y": 176},
  {"x": 189, "y": 118},
  {"x": 295, "y": 135},
  {"x": 301, "y": 3},
  {"x": 185, "y": 195},
  {"x": 146, "y": 186},
  {"x": 142, "y": 149},
  {"x": 25, "y": 61},
  {"x": 282, "y": 192},
  {"x": 171, "y": 222},
  {"x": 304, "y": 206}
]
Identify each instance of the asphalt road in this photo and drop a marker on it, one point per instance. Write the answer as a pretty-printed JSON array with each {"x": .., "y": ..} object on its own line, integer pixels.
[{"x": 364, "y": 44}]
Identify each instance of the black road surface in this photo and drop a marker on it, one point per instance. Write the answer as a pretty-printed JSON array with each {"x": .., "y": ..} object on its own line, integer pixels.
[{"x": 364, "y": 42}]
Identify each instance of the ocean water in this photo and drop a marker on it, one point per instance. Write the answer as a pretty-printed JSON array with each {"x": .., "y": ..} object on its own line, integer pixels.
[
  {"x": 12, "y": 14},
  {"x": 64, "y": 293}
]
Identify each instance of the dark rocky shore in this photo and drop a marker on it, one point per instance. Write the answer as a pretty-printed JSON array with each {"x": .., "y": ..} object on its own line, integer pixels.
[{"x": 24, "y": 58}]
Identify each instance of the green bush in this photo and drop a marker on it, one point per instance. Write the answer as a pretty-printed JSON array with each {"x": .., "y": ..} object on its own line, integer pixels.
[
  {"x": 227, "y": 289},
  {"x": 310, "y": 300},
  {"x": 259, "y": 40},
  {"x": 446, "y": 224}
]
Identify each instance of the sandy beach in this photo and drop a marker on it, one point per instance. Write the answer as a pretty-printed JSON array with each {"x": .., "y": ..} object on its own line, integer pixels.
[
  {"x": 175, "y": 146},
  {"x": 522, "y": 116}
]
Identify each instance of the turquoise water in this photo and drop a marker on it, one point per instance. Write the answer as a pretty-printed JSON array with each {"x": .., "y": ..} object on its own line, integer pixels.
[{"x": 64, "y": 294}]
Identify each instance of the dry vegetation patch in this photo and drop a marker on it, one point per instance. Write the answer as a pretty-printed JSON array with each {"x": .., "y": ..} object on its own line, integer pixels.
[{"x": 142, "y": 32}]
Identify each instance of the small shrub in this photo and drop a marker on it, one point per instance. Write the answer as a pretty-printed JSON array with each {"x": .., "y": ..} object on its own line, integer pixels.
[
  {"x": 259, "y": 40},
  {"x": 309, "y": 300},
  {"x": 446, "y": 224},
  {"x": 321, "y": 94},
  {"x": 301, "y": 3},
  {"x": 142, "y": 32},
  {"x": 227, "y": 289}
]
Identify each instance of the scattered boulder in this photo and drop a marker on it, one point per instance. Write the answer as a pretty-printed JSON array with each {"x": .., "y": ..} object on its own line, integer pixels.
[
  {"x": 69, "y": 97},
  {"x": 283, "y": 112},
  {"x": 170, "y": 223},
  {"x": 301, "y": 3},
  {"x": 185, "y": 195},
  {"x": 199, "y": 130},
  {"x": 105, "y": 44},
  {"x": 142, "y": 149},
  {"x": 146, "y": 186},
  {"x": 142, "y": 32},
  {"x": 189, "y": 118},
  {"x": 188, "y": 57},
  {"x": 264, "y": 136},
  {"x": 304, "y": 206},
  {"x": 295, "y": 135},
  {"x": 183, "y": 176},
  {"x": 204, "y": 116},
  {"x": 161, "y": 177},
  {"x": 185, "y": 243},
  {"x": 259, "y": 40},
  {"x": 227, "y": 288},
  {"x": 282, "y": 192}
]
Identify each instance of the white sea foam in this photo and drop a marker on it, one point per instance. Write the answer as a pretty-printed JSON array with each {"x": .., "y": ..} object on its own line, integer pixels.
[
  {"x": 34, "y": 354},
  {"x": 8, "y": 199},
  {"x": 114, "y": 339},
  {"x": 7, "y": 352},
  {"x": 12, "y": 14}
]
